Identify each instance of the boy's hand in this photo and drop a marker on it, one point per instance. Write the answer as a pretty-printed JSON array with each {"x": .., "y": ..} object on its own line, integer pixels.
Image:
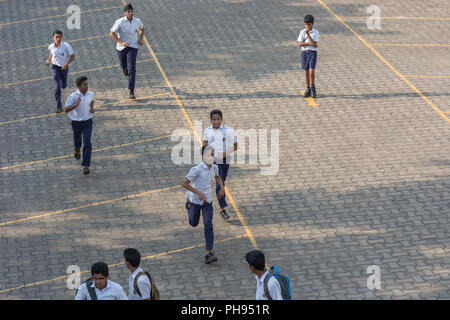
[
  {"x": 140, "y": 42},
  {"x": 221, "y": 192},
  {"x": 202, "y": 197},
  {"x": 78, "y": 101},
  {"x": 124, "y": 44},
  {"x": 47, "y": 62},
  {"x": 64, "y": 67}
]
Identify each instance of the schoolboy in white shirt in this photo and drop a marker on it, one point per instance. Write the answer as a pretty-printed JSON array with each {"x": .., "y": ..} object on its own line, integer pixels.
[
  {"x": 308, "y": 40},
  {"x": 224, "y": 142},
  {"x": 61, "y": 55}
]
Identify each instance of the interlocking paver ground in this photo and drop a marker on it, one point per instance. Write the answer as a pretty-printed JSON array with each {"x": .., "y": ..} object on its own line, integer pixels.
[{"x": 363, "y": 178}]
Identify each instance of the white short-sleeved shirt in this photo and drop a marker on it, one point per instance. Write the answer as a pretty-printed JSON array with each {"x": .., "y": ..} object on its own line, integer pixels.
[
  {"x": 83, "y": 111},
  {"x": 201, "y": 177},
  {"x": 273, "y": 285},
  {"x": 127, "y": 31},
  {"x": 220, "y": 139},
  {"x": 112, "y": 291},
  {"x": 314, "y": 33},
  {"x": 60, "y": 54},
  {"x": 143, "y": 283}
]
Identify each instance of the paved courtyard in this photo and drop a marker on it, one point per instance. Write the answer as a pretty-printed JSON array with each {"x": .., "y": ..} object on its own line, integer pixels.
[{"x": 364, "y": 169}]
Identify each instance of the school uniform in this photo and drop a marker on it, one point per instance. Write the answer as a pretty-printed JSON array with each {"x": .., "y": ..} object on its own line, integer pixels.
[
  {"x": 220, "y": 139},
  {"x": 60, "y": 55},
  {"x": 128, "y": 31},
  {"x": 82, "y": 123},
  {"x": 273, "y": 285},
  {"x": 112, "y": 291},
  {"x": 309, "y": 53},
  {"x": 201, "y": 177},
  {"x": 143, "y": 284}
]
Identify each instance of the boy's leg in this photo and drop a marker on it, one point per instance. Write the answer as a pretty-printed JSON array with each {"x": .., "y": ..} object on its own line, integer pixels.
[
  {"x": 87, "y": 148},
  {"x": 207, "y": 212},
  {"x": 76, "y": 127},
  {"x": 194, "y": 214},
  {"x": 131, "y": 63},
  {"x": 56, "y": 71},
  {"x": 312, "y": 68},
  {"x": 123, "y": 59},
  {"x": 312, "y": 76},
  {"x": 307, "y": 78},
  {"x": 223, "y": 172},
  {"x": 64, "y": 75}
]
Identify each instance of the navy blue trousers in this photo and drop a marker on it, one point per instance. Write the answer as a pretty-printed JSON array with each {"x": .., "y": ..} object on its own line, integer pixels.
[
  {"x": 223, "y": 172},
  {"x": 83, "y": 129},
  {"x": 60, "y": 81},
  {"x": 127, "y": 58},
  {"x": 206, "y": 210}
]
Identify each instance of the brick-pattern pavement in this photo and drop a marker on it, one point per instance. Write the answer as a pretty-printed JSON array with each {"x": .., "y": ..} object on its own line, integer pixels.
[{"x": 363, "y": 177}]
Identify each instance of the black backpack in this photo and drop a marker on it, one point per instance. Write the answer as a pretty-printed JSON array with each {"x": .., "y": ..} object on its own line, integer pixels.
[{"x": 284, "y": 281}]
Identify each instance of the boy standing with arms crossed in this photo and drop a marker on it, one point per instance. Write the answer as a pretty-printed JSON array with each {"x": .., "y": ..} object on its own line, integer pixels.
[
  {"x": 308, "y": 41},
  {"x": 61, "y": 55}
]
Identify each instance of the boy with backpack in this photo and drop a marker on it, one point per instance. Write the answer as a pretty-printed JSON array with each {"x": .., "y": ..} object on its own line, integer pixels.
[
  {"x": 271, "y": 285},
  {"x": 141, "y": 285}
]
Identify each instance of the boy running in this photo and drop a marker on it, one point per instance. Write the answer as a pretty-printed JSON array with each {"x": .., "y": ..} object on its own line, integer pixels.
[
  {"x": 198, "y": 183},
  {"x": 61, "y": 55}
]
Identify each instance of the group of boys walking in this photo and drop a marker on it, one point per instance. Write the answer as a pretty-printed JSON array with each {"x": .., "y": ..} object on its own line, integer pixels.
[{"x": 219, "y": 141}]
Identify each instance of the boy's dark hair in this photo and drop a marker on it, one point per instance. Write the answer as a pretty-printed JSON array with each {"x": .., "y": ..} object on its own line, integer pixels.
[
  {"x": 128, "y": 7},
  {"x": 204, "y": 147},
  {"x": 256, "y": 259},
  {"x": 80, "y": 80},
  {"x": 309, "y": 19},
  {"x": 216, "y": 112},
  {"x": 132, "y": 256},
  {"x": 100, "y": 267},
  {"x": 57, "y": 32}
]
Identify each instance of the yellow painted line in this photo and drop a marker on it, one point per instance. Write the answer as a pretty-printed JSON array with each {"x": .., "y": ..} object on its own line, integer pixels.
[
  {"x": 398, "y": 18},
  {"x": 93, "y": 204},
  {"x": 411, "y": 44},
  {"x": 96, "y": 150},
  {"x": 56, "y": 16},
  {"x": 33, "y": 284},
  {"x": 188, "y": 119},
  {"x": 311, "y": 101},
  {"x": 77, "y": 72},
  {"x": 425, "y": 76},
  {"x": 435, "y": 108},
  {"x": 96, "y": 107},
  {"x": 46, "y": 45}
]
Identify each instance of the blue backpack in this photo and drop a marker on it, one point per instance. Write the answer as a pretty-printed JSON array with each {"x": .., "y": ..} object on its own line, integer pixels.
[{"x": 284, "y": 281}]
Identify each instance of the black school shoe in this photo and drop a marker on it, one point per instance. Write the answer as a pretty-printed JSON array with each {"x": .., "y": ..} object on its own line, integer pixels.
[
  {"x": 210, "y": 258},
  {"x": 77, "y": 154},
  {"x": 224, "y": 214},
  {"x": 313, "y": 89},
  {"x": 86, "y": 171},
  {"x": 132, "y": 96},
  {"x": 307, "y": 93}
]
